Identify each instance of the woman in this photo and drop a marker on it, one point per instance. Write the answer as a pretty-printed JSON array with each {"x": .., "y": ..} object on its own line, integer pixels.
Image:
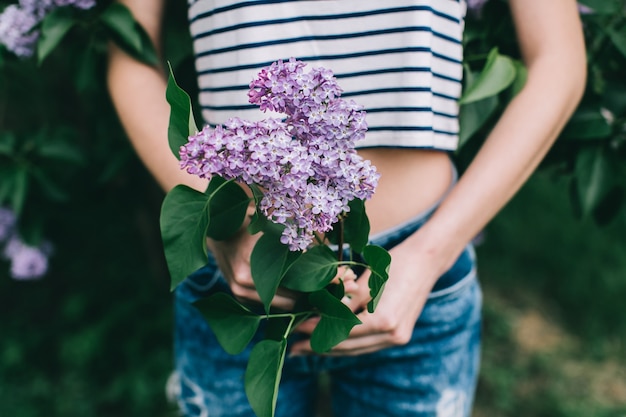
[{"x": 418, "y": 353}]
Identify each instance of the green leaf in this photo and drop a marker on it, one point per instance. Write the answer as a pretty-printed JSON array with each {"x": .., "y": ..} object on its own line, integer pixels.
[
  {"x": 259, "y": 221},
  {"x": 472, "y": 117},
  {"x": 594, "y": 178},
  {"x": 7, "y": 143},
  {"x": 62, "y": 151},
  {"x": 263, "y": 373},
  {"x": 54, "y": 27},
  {"x": 52, "y": 190},
  {"x": 610, "y": 206},
  {"x": 378, "y": 260},
  {"x": 313, "y": 270},
  {"x": 614, "y": 96},
  {"x": 356, "y": 226},
  {"x": 276, "y": 328},
  {"x": 20, "y": 190},
  {"x": 269, "y": 261},
  {"x": 521, "y": 75},
  {"x": 182, "y": 124},
  {"x": 336, "y": 321},
  {"x": 233, "y": 324},
  {"x": 587, "y": 123},
  {"x": 603, "y": 6},
  {"x": 618, "y": 37},
  {"x": 6, "y": 185},
  {"x": 87, "y": 78},
  {"x": 227, "y": 208},
  {"x": 184, "y": 222},
  {"x": 498, "y": 74},
  {"x": 128, "y": 34}
]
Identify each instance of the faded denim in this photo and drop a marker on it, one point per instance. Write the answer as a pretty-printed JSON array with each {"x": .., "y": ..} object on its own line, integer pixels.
[{"x": 433, "y": 375}]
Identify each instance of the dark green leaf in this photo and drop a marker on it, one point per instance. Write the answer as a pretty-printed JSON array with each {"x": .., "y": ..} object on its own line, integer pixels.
[
  {"x": 276, "y": 327},
  {"x": 618, "y": 37},
  {"x": 52, "y": 190},
  {"x": 269, "y": 261},
  {"x": 263, "y": 375},
  {"x": 87, "y": 73},
  {"x": 610, "y": 206},
  {"x": 182, "y": 124},
  {"x": 498, "y": 74},
  {"x": 7, "y": 144},
  {"x": 336, "y": 321},
  {"x": 20, "y": 190},
  {"x": 337, "y": 290},
  {"x": 593, "y": 178},
  {"x": 603, "y": 6},
  {"x": 62, "y": 151},
  {"x": 614, "y": 97},
  {"x": 587, "y": 123},
  {"x": 54, "y": 27},
  {"x": 227, "y": 208},
  {"x": 233, "y": 324},
  {"x": 356, "y": 226},
  {"x": 6, "y": 185},
  {"x": 184, "y": 221},
  {"x": 259, "y": 221},
  {"x": 128, "y": 34},
  {"x": 378, "y": 260},
  {"x": 312, "y": 271}
]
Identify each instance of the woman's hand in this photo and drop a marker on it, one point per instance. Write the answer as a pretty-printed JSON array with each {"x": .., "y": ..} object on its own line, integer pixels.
[
  {"x": 411, "y": 277},
  {"x": 233, "y": 260}
]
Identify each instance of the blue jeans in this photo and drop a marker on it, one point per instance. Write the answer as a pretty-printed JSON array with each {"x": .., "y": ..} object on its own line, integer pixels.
[{"x": 433, "y": 375}]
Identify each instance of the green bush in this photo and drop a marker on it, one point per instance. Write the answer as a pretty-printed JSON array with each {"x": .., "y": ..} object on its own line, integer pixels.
[{"x": 93, "y": 338}]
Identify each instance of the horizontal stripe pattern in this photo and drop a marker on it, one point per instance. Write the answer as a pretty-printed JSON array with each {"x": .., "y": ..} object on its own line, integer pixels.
[{"x": 400, "y": 59}]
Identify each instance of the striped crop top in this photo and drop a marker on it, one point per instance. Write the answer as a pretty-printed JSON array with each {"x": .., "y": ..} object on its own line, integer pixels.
[{"x": 400, "y": 59}]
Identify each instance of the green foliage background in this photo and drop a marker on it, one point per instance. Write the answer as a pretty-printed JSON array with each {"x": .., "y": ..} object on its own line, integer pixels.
[{"x": 94, "y": 337}]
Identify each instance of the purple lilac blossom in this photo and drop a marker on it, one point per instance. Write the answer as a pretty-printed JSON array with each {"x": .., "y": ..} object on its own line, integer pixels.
[
  {"x": 582, "y": 9},
  {"x": 475, "y": 6},
  {"x": 18, "y": 22},
  {"x": 306, "y": 164},
  {"x": 7, "y": 223},
  {"x": 27, "y": 262}
]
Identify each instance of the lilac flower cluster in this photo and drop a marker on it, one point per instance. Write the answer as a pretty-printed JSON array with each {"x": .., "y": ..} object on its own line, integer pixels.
[
  {"x": 582, "y": 9},
  {"x": 476, "y": 6},
  {"x": 27, "y": 262},
  {"x": 18, "y": 22},
  {"x": 306, "y": 164}
]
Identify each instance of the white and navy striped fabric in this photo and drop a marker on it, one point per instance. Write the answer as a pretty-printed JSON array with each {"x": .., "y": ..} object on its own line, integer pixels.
[{"x": 400, "y": 59}]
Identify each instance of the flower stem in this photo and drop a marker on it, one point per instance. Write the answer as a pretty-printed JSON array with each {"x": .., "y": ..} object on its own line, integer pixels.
[{"x": 340, "y": 243}]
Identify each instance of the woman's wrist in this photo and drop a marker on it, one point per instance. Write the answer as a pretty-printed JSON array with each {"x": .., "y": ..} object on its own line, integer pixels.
[{"x": 436, "y": 248}]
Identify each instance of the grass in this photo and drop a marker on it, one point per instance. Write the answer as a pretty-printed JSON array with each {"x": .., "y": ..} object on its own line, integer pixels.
[{"x": 555, "y": 329}]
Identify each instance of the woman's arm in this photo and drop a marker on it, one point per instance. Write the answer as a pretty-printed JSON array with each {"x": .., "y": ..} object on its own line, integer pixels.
[
  {"x": 550, "y": 36},
  {"x": 138, "y": 94}
]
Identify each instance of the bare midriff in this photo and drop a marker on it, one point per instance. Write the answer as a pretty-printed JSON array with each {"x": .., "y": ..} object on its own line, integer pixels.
[{"x": 411, "y": 181}]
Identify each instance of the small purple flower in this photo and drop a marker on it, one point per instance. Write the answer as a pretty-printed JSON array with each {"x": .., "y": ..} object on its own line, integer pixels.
[
  {"x": 7, "y": 223},
  {"x": 307, "y": 163},
  {"x": 475, "y": 7},
  {"x": 27, "y": 262},
  {"x": 582, "y": 9},
  {"x": 18, "y": 22},
  {"x": 79, "y": 4},
  {"x": 16, "y": 31}
]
